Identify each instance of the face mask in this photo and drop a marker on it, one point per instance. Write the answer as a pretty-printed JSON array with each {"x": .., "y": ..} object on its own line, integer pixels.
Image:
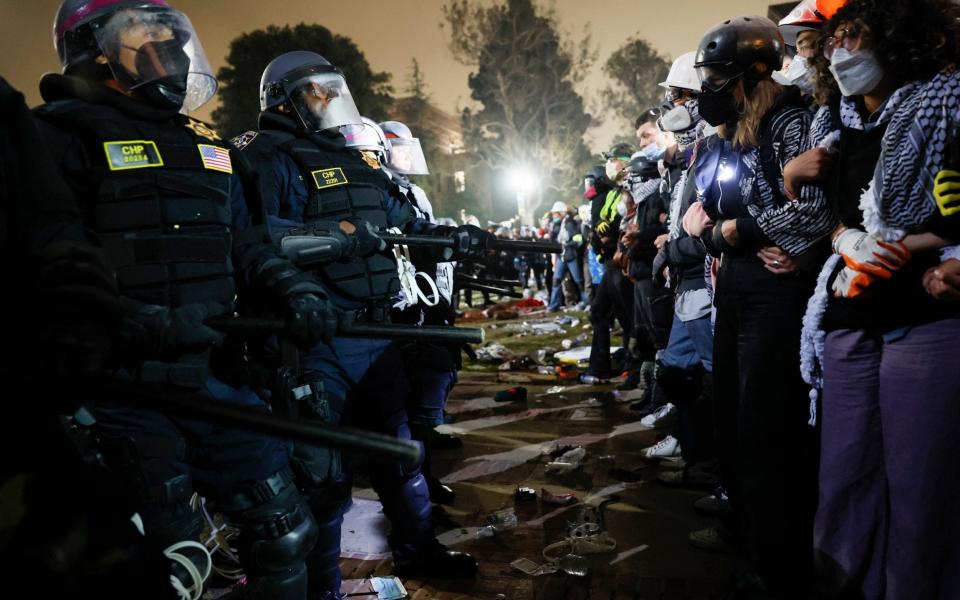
[
  {"x": 613, "y": 170},
  {"x": 166, "y": 87},
  {"x": 655, "y": 150},
  {"x": 676, "y": 119},
  {"x": 799, "y": 74},
  {"x": 857, "y": 72},
  {"x": 717, "y": 108}
]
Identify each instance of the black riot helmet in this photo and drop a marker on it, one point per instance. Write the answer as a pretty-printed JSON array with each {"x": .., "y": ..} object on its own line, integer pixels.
[
  {"x": 642, "y": 167},
  {"x": 312, "y": 87},
  {"x": 148, "y": 47},
  {"x": 748, "y": 47}
]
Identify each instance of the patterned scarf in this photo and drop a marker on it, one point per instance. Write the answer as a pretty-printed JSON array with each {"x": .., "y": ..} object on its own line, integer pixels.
[
  {"x": 641, "y": 190},
  {"x": 900, "y": 197}
]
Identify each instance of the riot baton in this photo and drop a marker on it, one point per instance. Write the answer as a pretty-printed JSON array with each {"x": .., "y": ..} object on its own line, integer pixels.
[
  {"x": 464, "y": 278},
  {"x": 437, "y": 335},
  {"x": 195, "y": 406},
  {"x": 508, "y": 293},
  {"x": 496, "y": 244}
]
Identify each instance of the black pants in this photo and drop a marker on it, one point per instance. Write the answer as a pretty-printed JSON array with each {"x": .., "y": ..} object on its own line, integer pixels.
[
  {"x": 652, "y": 317},
  {"x": 614, "y": 298},
  {"x": 767, "y": 450}
]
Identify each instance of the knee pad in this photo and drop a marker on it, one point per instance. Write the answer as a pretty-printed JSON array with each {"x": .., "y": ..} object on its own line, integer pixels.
[{"x": 278, "y": 529}]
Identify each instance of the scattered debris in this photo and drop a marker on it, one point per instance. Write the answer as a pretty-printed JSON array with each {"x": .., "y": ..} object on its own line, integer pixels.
[
  {"x": 494, "y": 353},
  {"x": 531, "y": 568},
  {"x": 513, "y": 394},
  {"x": 561, "y": 499},
  {"x": 525, "y": 494},
  {"x": 567, "y": 462}
]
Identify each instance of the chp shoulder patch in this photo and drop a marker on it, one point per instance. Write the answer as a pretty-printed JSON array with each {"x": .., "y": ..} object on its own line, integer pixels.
[
  {"x": 325, "y": 178},
  {"x": 244, "y": 139},
  {"x": 132, "y": 154}
]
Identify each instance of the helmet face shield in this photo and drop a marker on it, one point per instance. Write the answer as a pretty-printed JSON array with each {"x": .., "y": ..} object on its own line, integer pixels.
[
  {"x": 156, "y": 50},
  {"x": 363, "y": 137},
  {"x": 406, "y": 157},
  {"x": 321, "y": 98},
  {"x": 714, "y": 77}
]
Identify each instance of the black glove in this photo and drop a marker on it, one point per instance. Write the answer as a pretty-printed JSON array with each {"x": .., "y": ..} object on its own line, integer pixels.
[
  {"x": 366, "y": 238},
  {"x": 311, "y": 319},
  {"x": 167, "y": 332},
  {"x": 472, "y": 242}
]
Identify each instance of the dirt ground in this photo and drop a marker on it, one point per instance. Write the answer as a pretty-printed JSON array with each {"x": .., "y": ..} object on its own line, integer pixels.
[{"x": 502, "y": 443}]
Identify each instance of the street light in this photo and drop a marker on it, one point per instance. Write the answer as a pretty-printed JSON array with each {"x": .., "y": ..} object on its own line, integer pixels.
[{"x": 523, "y": 181}]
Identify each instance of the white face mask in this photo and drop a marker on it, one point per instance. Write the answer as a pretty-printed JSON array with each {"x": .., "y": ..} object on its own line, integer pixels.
[
  {"x": 857, "y": 72},
  {"x": 799, "y": 74}
]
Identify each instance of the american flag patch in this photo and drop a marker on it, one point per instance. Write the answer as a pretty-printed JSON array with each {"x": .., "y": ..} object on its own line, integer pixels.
[{"x": 215, "y": 158}]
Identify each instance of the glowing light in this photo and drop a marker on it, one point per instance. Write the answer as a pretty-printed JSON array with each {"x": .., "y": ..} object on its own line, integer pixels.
[
  {"x": 521, "y": 180},
  {"x": 725, "y": 173}
]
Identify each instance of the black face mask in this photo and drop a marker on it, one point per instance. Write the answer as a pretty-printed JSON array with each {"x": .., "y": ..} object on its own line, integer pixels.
[
  {"x": 718, "y": 108},
  {"x": 165, "y": 66}
]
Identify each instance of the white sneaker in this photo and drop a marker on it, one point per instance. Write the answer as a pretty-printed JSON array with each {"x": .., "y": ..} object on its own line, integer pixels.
[
  {"x": 668, "y": 447},
  {"x": 664, "y": 415}
]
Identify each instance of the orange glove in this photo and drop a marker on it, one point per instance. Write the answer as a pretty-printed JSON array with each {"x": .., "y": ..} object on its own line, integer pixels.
[
  {"x": 867, "y": 254},
  {"x": 850, "y": 283}
]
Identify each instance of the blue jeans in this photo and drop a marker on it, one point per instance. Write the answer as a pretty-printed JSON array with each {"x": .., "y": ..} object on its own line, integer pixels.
[
  {"x": 596, "y": 269},
  {"x": 691, "y": 344},
  {"x": 563, "y": 267}
]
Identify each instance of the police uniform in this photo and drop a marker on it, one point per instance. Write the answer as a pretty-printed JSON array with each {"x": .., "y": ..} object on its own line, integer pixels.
[
  {"x": 158, "y": 190},
  {"x": 311, "y": 177}
]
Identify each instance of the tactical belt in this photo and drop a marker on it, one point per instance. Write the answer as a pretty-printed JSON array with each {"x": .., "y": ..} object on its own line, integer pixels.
[{"x": 260, "y": 493}]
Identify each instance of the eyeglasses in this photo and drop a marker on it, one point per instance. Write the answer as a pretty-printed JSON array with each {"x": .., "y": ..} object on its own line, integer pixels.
[
  {"x": 847, "y": 37},
  {"x": 674, "y": 95}
]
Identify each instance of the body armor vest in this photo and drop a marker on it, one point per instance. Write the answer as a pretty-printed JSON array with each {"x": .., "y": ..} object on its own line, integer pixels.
[
  {"x": 157, "y": 194},
  {"x": 341, "y": 185}
]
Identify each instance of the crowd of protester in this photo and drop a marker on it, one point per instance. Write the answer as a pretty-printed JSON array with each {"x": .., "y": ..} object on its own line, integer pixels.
[{"x": 777, "y": 246}]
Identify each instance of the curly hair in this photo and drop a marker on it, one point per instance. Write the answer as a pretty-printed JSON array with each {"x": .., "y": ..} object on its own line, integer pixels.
[{"x": 912, "y": 39}]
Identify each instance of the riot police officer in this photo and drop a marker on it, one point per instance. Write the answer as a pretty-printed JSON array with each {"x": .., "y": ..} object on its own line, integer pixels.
[
  {"x": 162, "y": 193},
  {"x": 431, "y": 368},
  {"x": 301, "y": 156}
]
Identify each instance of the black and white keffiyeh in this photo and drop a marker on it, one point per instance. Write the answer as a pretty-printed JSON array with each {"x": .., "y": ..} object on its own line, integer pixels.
[{"x": 900, "y": 197}]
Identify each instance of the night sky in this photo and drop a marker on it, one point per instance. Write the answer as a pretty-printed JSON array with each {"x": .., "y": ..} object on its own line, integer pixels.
[{"x": 390, "y": 33}]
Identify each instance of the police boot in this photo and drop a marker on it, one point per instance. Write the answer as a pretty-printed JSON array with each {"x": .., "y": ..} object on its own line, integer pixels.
[
  {"x": 439, "y": 492},
  {"x": 328, "y": 504},
  {"x": 416, "y": 551}
]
